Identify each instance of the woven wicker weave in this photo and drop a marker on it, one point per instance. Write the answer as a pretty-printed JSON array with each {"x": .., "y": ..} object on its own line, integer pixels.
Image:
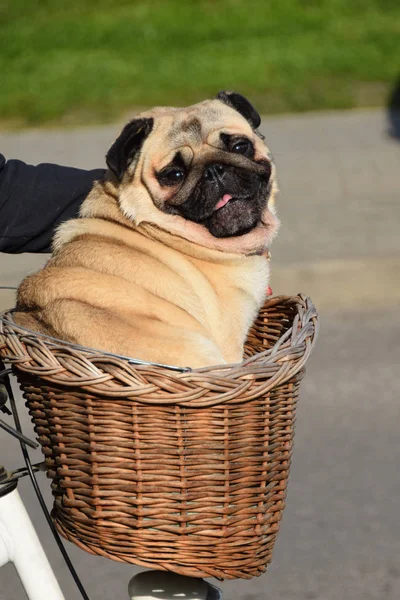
[{"x": 184, "y": 471}]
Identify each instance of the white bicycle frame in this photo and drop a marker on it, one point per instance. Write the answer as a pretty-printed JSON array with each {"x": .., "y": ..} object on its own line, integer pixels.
[{"x": 20, "y": 545}]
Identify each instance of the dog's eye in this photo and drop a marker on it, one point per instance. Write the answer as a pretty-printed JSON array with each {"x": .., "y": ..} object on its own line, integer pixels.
[
  {"x": 171, "y": 176},
  {"x": 243, "y": 147}
]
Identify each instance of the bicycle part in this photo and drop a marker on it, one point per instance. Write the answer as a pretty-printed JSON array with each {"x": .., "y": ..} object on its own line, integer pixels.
[
  {"x": 4, "y": 399},
  {"x": 3, "y": 390},
  {"x": 20, "y": 436},
  {"x": 8, "y": 476},
  {"x": 5, "y": 384},
  {"x": 4, "y": 396},
  {"x": 163, "y": 585},
  {"x": 20, "y": 545},
  {"x": 40, "y": 496}
]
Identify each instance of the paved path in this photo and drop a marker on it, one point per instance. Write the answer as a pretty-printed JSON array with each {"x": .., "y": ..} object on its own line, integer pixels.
[{"x": 339, "y": 205}]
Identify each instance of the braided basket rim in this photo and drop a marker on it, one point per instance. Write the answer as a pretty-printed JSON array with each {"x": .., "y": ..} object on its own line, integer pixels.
[{"x": 109, "y": 376}]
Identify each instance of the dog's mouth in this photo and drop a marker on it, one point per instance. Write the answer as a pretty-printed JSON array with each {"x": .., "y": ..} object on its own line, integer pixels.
[
  {"x": 223, "y": 201},
  {"x": 232, "y": 216},
  {"x": 226, "y": 200}
]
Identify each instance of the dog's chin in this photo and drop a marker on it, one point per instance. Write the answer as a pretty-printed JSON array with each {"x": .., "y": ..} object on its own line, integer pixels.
[{"x": 236, "y": 218}]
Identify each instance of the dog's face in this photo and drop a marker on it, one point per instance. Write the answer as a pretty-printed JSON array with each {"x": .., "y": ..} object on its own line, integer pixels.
[{"x": 202, "y": 172}]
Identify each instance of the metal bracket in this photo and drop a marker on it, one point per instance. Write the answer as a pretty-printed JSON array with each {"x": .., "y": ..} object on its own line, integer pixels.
[
  {"x": 10, "y": 476},
  {"x": 4, "y": 392}
]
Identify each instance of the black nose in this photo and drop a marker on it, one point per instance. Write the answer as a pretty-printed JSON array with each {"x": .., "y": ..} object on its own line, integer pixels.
[{"x": 214, "y": 171}]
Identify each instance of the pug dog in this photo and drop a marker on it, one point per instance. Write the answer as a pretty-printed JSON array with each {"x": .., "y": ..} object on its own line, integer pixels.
[{"x": 167, "y": 260}]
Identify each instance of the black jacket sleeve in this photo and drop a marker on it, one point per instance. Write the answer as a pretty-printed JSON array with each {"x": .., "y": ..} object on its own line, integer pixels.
[{"x": 35, "y": 200}]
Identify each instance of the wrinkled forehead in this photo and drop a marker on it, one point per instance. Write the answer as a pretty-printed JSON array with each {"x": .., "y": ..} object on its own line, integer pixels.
[
  {"x": 195, "y": 127},
  {"x": 204, "y": 123},
  {"x": 195, "y": 123}
]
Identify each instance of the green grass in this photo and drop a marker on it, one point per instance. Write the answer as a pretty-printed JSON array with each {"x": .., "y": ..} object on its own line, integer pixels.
[{"x": 83, "y": 61}]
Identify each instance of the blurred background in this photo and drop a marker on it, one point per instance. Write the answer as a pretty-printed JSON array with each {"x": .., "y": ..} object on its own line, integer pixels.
[
  {"x": 83, "y": 61},
  {"x": 325, "y": 74}
]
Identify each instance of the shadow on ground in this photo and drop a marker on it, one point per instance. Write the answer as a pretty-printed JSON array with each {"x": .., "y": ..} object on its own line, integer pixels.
[{"x": 394, "y": 111}]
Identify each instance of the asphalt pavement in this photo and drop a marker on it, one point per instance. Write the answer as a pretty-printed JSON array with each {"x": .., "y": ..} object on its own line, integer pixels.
[{"x": 339, "y": 243}]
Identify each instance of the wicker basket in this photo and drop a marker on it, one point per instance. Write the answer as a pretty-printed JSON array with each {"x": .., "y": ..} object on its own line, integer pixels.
[{"x": 181, "y": 471}]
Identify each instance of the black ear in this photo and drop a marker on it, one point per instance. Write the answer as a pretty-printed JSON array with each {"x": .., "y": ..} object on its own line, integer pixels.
[
  {"x": 242, "y": 105},
  {"x": 125, "y": 147}
]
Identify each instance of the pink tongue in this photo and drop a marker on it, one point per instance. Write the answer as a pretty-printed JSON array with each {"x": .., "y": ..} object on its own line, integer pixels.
[{"x": 224, "y": 200}]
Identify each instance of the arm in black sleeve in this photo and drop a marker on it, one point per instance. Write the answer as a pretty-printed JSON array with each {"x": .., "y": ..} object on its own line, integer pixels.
[{"x": 35, "y": 200}]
